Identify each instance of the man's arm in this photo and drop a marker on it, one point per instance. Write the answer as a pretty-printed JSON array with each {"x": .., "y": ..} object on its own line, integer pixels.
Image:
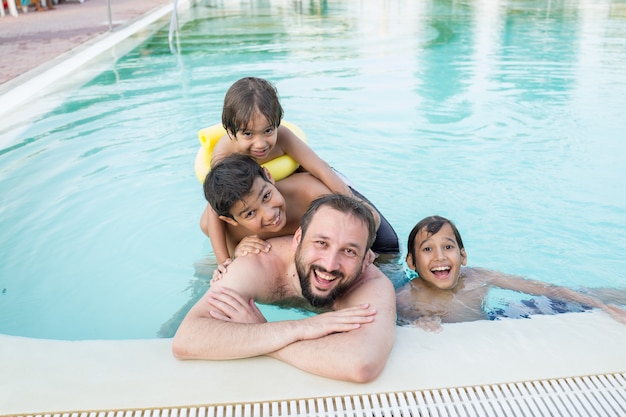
[
  {"x": 205, "y": 334},
  {"x": 359, "y": 355}
]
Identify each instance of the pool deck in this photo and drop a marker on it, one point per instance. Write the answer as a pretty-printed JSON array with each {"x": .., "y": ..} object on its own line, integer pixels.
[
  {"x": 33, "y": 41},
  {"x": 45, "y": 376}
]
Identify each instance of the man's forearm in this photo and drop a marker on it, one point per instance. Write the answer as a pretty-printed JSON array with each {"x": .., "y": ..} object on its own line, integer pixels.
[
  {"x": 209, "y": 338},
  {"x": 358, "y": 356}
]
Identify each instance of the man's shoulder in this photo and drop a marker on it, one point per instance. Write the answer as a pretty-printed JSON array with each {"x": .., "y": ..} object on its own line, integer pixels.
[
  {"x": 373, "y": 288},
  {"x": 373, "y": 280},
  {"x": 277, "y": 259}
]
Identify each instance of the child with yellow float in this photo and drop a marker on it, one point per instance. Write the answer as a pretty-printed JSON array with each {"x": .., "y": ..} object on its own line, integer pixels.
[{"x": 252, "y": 125}]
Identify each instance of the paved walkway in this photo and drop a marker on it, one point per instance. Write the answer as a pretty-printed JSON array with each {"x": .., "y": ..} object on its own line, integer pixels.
[{"x": 36, "y": 37}]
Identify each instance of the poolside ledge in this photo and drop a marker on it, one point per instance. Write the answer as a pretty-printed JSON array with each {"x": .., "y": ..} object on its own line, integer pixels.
[{"x": 46, "y": 376}]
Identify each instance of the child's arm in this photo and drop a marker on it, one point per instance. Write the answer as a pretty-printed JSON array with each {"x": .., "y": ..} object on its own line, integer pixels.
[
  {"x": 420, "y": 311},
  {"x": 316, "y": 166},
  {"x": 527, "y": 286},
  {"x": 215, "y": 229},
  {"x": 310, "y": 161}
]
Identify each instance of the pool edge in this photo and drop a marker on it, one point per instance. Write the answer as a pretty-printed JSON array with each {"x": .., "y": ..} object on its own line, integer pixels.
[{"x": 47, "y": 376}]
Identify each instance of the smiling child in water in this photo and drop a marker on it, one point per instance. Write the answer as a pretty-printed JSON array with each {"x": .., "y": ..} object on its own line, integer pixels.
[
  {"x": 252, "y": 116},
  {"x": 446, "y": 291}
]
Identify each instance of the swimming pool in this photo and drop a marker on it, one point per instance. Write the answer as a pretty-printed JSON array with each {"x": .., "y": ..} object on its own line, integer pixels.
[{"x": 504, "y": 116}]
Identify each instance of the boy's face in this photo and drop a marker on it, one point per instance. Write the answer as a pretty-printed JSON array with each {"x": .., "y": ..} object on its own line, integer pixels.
[
  {"x": 261, "y": 210},
  {"x": 438, "y": 258},
  {"x": 257, "y": 139}
]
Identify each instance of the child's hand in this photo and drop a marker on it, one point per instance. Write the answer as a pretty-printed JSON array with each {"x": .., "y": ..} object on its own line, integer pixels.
[
  {"x": 251, "y": 244},
  {"x": 616, "y": 312},
  {"x": 220, "y": 270},
  {"x": 429, "y": 323}
]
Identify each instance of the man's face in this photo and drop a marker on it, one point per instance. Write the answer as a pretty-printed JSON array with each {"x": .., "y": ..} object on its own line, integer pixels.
[
  {"x": 329, "y": 258},
  {"x": 262, "y": 210}
]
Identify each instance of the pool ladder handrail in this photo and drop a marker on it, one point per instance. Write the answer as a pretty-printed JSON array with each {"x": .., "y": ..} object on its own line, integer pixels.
[{"x": 173, "y": 27}]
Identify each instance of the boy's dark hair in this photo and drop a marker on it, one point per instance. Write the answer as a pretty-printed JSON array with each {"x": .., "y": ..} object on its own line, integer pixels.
[
  {"x": 244, "y": 98},
  {"x": 343, "y": 204},
  {"x": 432, "y": 225},
  {"x": 230, "y": 180}
]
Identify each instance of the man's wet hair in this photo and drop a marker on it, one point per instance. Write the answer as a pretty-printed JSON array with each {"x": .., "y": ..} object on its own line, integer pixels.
[
  {"x": 230, "y": 181},
  {"x": 344, "y": 204}
]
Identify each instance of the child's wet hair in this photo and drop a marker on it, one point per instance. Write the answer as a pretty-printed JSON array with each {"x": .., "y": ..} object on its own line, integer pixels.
[
  {"x": 432, "y": 225},
  {"x": 230, "y": 180},
  {"x": 247, "y": 96}
]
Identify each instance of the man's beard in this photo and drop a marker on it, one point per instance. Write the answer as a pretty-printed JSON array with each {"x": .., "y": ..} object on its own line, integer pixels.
[{"x": 304, "y": 274}]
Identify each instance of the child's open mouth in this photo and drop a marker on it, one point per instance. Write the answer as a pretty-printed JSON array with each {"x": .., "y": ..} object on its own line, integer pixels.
[
  {"x": 275, "y": 221},
  {"x": 441, "y": 272},
  {"x": 260, "y": 154}
]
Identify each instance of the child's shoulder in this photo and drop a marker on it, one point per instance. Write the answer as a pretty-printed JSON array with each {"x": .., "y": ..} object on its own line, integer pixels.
[
  {"x": 223, "y": 147},
  {"x": 477, "y": 276}
]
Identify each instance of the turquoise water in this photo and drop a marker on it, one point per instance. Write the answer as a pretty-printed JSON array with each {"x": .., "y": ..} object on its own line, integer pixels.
[{"x": 504, "y": 116}]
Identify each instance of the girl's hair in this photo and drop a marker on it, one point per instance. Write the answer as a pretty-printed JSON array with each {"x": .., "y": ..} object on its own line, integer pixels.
[
  {"x": 247, "y": 96},
  {"x": 432, "y": 225}
]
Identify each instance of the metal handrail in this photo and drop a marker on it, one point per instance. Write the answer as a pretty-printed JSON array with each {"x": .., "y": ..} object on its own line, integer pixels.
[{"x": 173, "y": 26}]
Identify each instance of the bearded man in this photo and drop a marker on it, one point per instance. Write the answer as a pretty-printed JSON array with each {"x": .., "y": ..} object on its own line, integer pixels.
[{"x": 325, "y": 267}]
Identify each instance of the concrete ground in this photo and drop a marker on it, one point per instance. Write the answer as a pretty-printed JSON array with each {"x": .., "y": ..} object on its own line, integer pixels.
[{"x": 34, "y": 38}]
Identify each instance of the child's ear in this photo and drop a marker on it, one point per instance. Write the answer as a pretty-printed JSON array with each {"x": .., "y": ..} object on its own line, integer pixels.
[
  {"x": 409, "y": 261},
  {"x": 269, "y": 175},
  {"x": 463, "y": 257},
  {"x": 228, "y": 220}
]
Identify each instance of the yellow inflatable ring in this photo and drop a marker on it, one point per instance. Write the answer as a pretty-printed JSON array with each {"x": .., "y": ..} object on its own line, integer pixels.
[{"x": 280, "y": 167}]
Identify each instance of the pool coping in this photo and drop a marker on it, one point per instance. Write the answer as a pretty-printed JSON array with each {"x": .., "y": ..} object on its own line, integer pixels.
[{"x": 50, "y": 376}]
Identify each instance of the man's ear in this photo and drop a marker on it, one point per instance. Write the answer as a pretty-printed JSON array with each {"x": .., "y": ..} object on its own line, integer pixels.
[
  {"x": 228, "y": 220},
  {"x": 297, "y": 237},
  {"x": 409, "y": 261},
  {"x": 269, "y": 175},
  {"x": 463, "y": 257}
]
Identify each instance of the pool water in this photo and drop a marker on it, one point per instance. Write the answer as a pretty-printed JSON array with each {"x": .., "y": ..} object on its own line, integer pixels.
[{"x": 505, "y": 116}]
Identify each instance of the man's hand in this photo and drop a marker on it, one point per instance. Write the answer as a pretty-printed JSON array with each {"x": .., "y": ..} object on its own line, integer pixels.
[
  {"x": 339, "y": 321},
  {"x": 227, "y": 305}
]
